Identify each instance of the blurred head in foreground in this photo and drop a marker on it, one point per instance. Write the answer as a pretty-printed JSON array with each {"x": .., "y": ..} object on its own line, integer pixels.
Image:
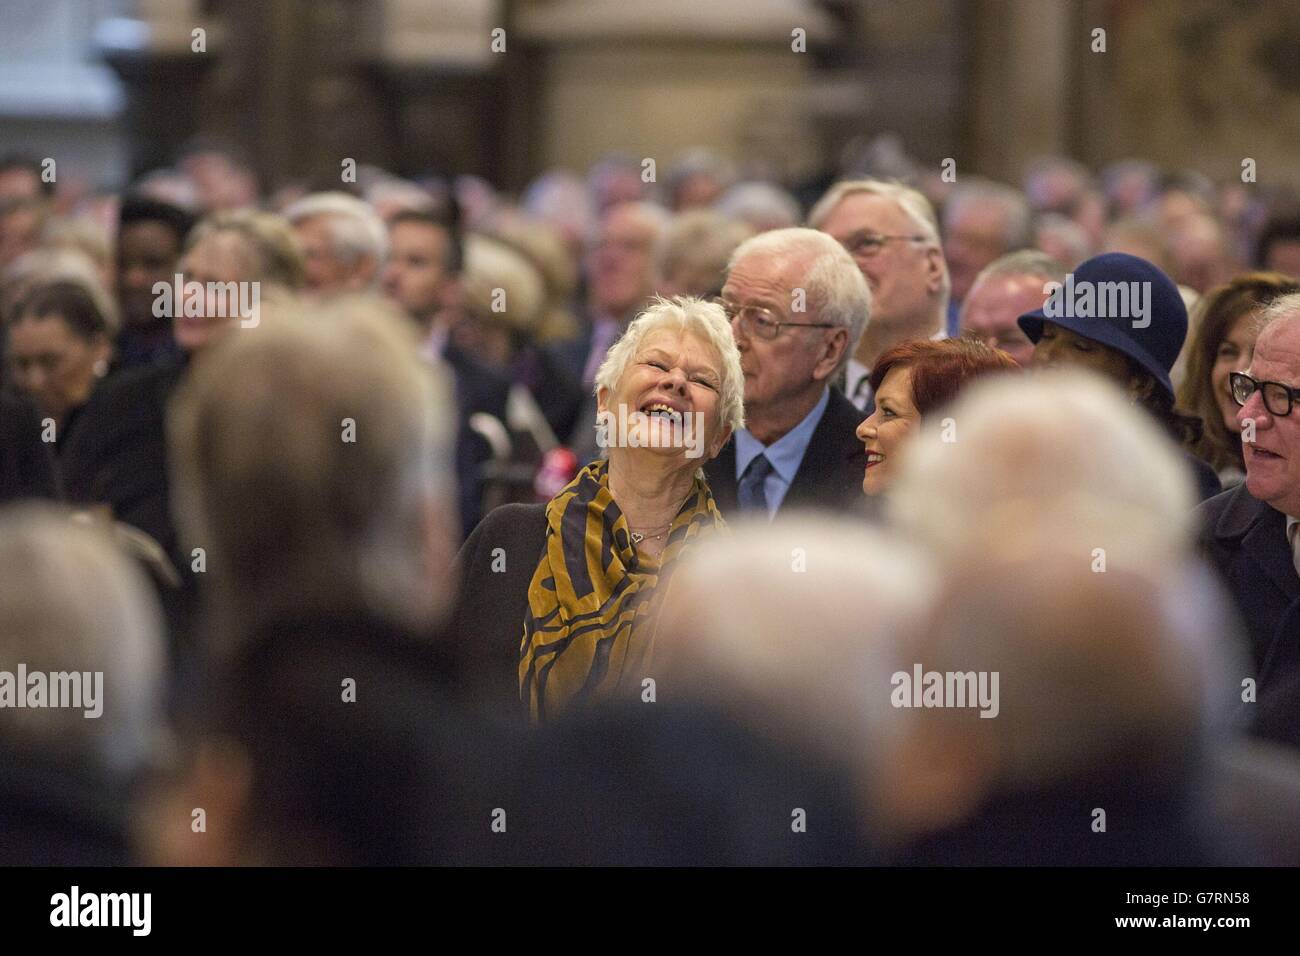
[
  {"x": 748, "y": 743},
  {"x": 1052, "y": 713},
  {"x": 310, "y": 462},
  {"x": 73, "y": 606},
  {"x": 1049, "y": 456}
]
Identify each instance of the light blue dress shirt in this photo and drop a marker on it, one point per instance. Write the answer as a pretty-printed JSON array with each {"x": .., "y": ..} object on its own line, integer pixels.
[{"x": 785, "y": 454}]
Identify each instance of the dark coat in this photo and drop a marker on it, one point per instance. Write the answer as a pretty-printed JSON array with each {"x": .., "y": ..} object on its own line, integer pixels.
[
  {"x": 829, "y": 477},
  {"x": 478, "y": 389},
  {"x": 487, "y": 625},
  {"x": 26, "y": 462},
  {"x": 1245, "y": 540},
  {"x": 118, "y": 453},
  {"x": 1206, "y": 478},
  {"x": 397, "y": 773}
]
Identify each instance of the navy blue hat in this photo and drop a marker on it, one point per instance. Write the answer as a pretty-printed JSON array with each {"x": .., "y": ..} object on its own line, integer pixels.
[{"x": 1123, "y": 302}]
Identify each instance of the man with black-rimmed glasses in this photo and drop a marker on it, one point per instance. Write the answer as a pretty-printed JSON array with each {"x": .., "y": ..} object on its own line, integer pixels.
[
  {"x": 1252, "y": 533},
  {"x": 891, "y": 232}
]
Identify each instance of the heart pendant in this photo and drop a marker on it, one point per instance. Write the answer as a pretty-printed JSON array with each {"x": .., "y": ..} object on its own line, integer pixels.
[{"x": 637, "y": 538}]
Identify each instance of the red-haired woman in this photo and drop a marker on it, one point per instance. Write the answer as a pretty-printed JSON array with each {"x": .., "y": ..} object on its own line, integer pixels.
[{"x": 911, "y": 380}]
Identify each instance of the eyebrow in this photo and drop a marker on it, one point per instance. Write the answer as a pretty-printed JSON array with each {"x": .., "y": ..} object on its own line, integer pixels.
[{"x": 661, "y": 354}]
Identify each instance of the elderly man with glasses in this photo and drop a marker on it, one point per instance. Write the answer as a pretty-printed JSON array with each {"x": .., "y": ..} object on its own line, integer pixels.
[
  {"x": 1252, "y": 533},
  {"x": 797, "y": 305},
  {"x": 891, "y": 232}
]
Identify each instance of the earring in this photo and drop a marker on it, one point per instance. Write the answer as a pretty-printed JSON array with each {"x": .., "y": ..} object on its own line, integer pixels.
[{"x": 101, "y": 368}]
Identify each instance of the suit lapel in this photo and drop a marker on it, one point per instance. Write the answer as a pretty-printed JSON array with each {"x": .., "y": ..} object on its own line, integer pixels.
[
  {"x": 829, "y": 457},
  {"x": 1262, "y": 530}
]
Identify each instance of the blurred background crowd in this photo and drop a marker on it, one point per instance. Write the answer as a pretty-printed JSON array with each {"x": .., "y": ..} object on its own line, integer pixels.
[{"x": 365, "y": 585}]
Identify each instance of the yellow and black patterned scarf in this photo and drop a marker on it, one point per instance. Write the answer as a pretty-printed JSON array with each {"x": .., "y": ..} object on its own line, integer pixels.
[{"x": 592, "y": 601}]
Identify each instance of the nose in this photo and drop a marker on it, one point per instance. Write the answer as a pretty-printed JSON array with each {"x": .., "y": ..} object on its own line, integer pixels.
[
  {"x": 1044, "y": 352},
  {"x": 867, "y": 428},
  {"x": 674, "y": 380},
  {"x": 1254, "y": 408}
]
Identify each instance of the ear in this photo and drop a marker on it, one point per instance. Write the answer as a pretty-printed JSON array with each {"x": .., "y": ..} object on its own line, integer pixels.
[
  {"x": 935, "y": 268},
  {"x": 833, "y": 347},
  {"x": 602, "y": 399}
]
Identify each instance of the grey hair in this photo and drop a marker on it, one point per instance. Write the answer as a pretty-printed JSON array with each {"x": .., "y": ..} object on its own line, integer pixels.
[
  {"x": 693, "y": 315},
  {"x": 73, "y": 602},
  {"x": 355, "y": 228},
  {"x": 911, "y": 201},
  {"x": 836, "y": 289},
  {"x": 295, "y": 515},
  {"x": 1023, "y": 262},
  {"x": 1281, "y": 307},
  {"x": 1013, "y": 206},
  {"x": 762, "y": 205}
]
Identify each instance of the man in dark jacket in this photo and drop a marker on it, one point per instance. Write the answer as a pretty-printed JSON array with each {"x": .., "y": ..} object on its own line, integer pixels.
[
  {"x": 1250, "y": 533},
  {"x": 797, "y": 305}
]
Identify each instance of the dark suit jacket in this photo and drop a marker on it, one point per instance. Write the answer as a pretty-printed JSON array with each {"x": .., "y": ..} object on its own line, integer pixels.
[
  {"x": 478, "y": 389},
  {"x": 487, "y": 625},
  {"x": 1245, "y": 540},
  {"x": 26, "y": 462},
  {"x": 829, "y": 477}
]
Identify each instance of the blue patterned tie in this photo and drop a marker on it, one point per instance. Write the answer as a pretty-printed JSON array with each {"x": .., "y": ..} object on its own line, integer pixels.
[{"x": 750, "y": 492}]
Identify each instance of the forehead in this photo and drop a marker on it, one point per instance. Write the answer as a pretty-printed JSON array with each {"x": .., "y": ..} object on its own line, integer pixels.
[
  {"x": 148, "y": 231},
  {"x": 413, "y": 235},
  {"x": 680, "y": 342},
  {"x": 1009, "y": 292},
  {"x": 866, "y": 211},
  {"x": 1279, "y": 346},
  {"x": 897, "y": 385},
  {"x": 222, "y": 250},
  {"x": 31, "y": 333},
  {"x": 767, "y": 275}
]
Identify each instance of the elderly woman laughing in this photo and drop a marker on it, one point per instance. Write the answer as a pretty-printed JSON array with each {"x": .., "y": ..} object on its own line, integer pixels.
[{"x": 581, "y": 578}]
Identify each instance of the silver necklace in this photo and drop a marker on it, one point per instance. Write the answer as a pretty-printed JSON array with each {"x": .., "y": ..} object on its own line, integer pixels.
[{"x": 638, "y": 537}]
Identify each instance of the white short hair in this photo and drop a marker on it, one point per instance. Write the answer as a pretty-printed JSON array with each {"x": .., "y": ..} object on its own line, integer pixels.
[
  {"x": 911, "y": 201},
  {"x": 1016, "y": 214},
  {"x": 72, "y": 602},
  {"x": 1057, "y": 455},
  {"x": 836, "y": 290},
  {"x": 1023, "y": 262},
  {"x": 762, "y": 205},
  {"x": 914, "y": 205},
  {"x": 1282, "y": 307},
  {"x": 355, "y": 228},
  {"x": 693, "y": 315}
]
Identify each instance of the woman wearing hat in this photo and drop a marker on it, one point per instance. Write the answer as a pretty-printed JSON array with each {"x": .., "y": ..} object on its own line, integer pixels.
[{"x": 1123, "y": 318}]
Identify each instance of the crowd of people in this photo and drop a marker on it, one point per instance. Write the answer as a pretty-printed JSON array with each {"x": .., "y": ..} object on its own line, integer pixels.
[{"x": 879, "y": 519}]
